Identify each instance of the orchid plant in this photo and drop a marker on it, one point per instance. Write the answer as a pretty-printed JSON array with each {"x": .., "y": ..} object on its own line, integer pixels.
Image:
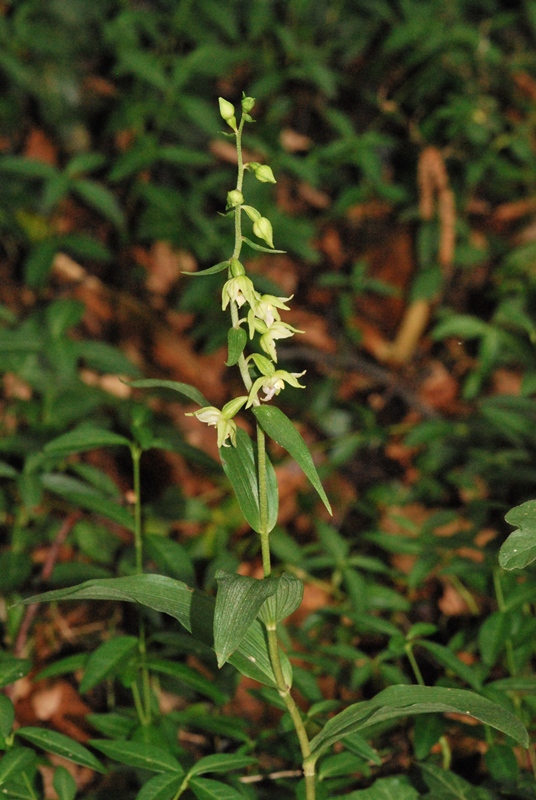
[{"x": 241, "y": 623}]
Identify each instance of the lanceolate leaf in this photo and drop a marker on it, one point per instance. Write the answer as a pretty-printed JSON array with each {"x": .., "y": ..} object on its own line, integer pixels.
[
  {"x": 238, "y": 602},
  {"x": 210, "y": 270},
  {"x": 278, "y": 426},
  {"x": 105, "y": 659},
  {"x": 183, "y": 388},
  {"x": 162, "y": 787},
  {"x": 221, "y": 762},
  {"x": 194, "y": 610},
  {"x": 236, "y": 341},
  {"x": 84, "y": 438},
  {"x": 240, "y": 466},
  {"x": 139, "y": 754},
  {"x": 259, "y": 247},
  {"x": 60, "y": 745},
  {"x": 287, "y": 598},
  {"x": 519, "y": 549},
  {"x": 207, "y": 789},
  {"x": 404, "y": 701}
]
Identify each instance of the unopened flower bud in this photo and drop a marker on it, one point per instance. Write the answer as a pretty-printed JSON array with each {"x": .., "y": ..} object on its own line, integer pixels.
[
  {"x": 263, "y": 229},
  {"x": 227, "y": 111},
  {"x": 262, "y": 172},
  {"x": 247, "y": 103},
  {"x": 236, "y": 268},
  {"x": 234, "y": 198}
]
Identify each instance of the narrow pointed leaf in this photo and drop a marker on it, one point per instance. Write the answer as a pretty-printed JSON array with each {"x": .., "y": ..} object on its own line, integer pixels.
[
  {"x": 236, "y": 341},
  {"x": 140, "y": 755},
  {"x": 519, "y": 549},
  {"x": 287, "y": 598},
  {"x": 221, "y": 762},
  {"x": 64, "y": 784},
  {"x": 187, "y": 676},
  {"x": 85, "y": 496},
  {"x": 84, "y": 438},
  {"x": 61, "y": 745},
  {"x": 402, "y": 701},
  {"x": 15, "y": 762},
  {"x": 259, "y": 247},
  {"x": 238, "y": 601},
  {"x": 193, "y": 609},
  {"x": 210, "y": 270},
  {"x": 183, "y": 388},
  {"x": 7, "y": 715},
  {"x": 161, "y": 787},
  {"x": 278, "y": 426},
  {"x": 105, "y": 660},
  {"x": 240, "y": 466},
  {"x": 207, "y": 789},
  {"x": 11, "y": 669}
]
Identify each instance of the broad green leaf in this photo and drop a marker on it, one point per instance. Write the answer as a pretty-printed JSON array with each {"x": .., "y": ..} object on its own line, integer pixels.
[
  {"x": 171, "y": 557},
  {"x": 60, "y": 745},
  {"x": 63, "y": 667},
  {"x": 402, "y": 701},
  {"x": 287, "y": 598},
  {"x": 260, "y": 248},
  {"x": 194, "y": 610},
  {"x": 101, "y": 199},
  {"x": 15, "y": 762},
  {"x": 493, "y": 635},
  {"x": 83, "y": 438},
  {"x": 187, "y": 676},
  {"x": 240, "y": 466},
  {"x": 162, "y": 787},
  {"x": 221, "y": 762},
  {"x": 524, "y": 684},
  {"x": 105, "y": 660},
  {"x": 446, "y": 784},
  {"x": 106, "y": 358},
  {"x": 87, "y": 498},
  {"x": 26, "y": 167},
  {"x": 207, "y": 789},
  {"x": 210, "y": 270},
  {"x": 397, "y": 786},
  {"x": 236, "y": 341},
  {"x": 339, "y": 764},
  {"x": 502, "y": 763},
  {"x": 113, "y": 724},
  {"x": 64, "y": 784},
  {"x": 7, "y": 471},
  {"x": 519, "y": 549},
  {"x": 7, "y": 715},
  {"x": 183, "y": 388},
  {"x": 238, "y": 601},
  {"x": 140, "y": 755},
  {"x": 278, "y": 426},
  {"x": 11, "y": 668},
  {"x": 451, "y": 661}
]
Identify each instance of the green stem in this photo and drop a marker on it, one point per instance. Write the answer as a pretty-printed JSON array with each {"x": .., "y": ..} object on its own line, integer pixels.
[
  {"x": 263, "y": 502},
  {"x": 501, "y": 605},
  {"x": 413, "y": 661},
  {"x": 143, "y": 708},
  {"x": 294, "y": 712}
]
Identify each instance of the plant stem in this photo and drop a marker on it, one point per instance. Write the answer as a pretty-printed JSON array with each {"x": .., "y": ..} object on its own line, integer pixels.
[
  {"x": 413, "y": 661},
  {"x": 143, "y": 708},
  {"x": 293, "y": 710}
]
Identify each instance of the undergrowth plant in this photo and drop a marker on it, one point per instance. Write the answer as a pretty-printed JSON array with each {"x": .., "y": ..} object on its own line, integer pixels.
[{"x": 242, "y": 624}]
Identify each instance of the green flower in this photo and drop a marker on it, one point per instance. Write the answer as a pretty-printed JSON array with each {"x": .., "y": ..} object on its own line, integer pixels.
[
  {"x": 272, "y": 384},
  {"x": 239, "y": 289},
  {"x": 277, "y": 330},
  {"x": 265, "y": 308},
  {"x": 221, "y": 420}
]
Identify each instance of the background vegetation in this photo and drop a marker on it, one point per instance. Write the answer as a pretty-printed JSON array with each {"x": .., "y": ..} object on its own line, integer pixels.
[{"x": 402, "y": 135}]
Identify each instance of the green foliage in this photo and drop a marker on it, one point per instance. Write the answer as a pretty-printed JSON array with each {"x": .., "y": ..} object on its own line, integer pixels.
[{"x": 125, "y": 97}]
